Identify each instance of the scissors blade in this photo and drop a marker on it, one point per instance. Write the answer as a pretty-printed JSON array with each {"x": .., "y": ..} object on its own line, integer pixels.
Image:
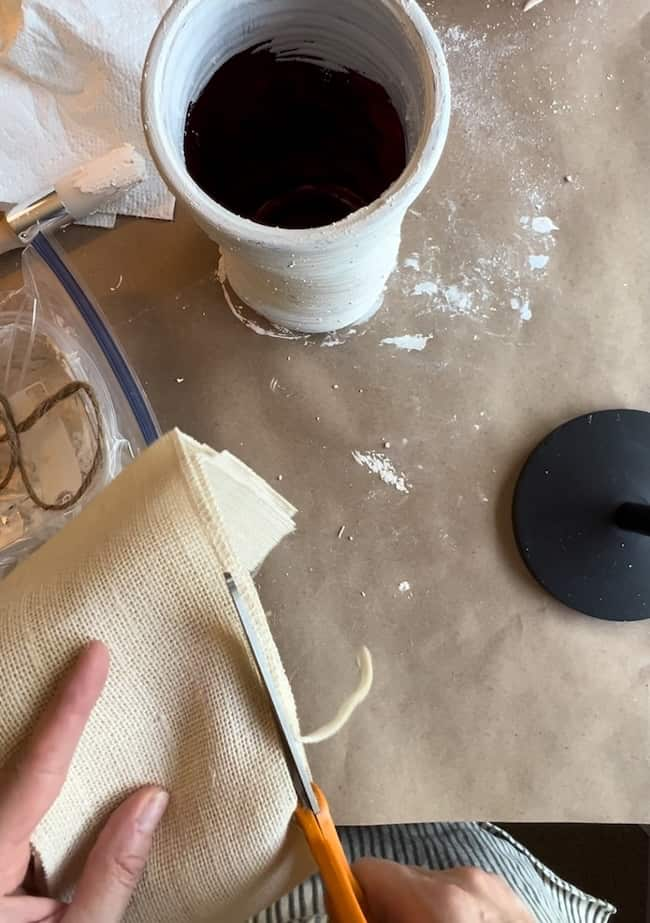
[{"x": 296, "y": 762}]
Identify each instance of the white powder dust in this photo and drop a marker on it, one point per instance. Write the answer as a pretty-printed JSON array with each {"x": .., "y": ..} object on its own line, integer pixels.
[
  {"x": 381, "y": 465},
  {"x": 477, "y": 265}
]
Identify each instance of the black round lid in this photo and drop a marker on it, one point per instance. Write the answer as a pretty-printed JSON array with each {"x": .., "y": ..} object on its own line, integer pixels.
[{"x": 581, "y": 514}]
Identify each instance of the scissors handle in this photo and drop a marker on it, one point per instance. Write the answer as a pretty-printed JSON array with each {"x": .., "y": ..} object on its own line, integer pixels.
[{"x": 343, "y": 890}]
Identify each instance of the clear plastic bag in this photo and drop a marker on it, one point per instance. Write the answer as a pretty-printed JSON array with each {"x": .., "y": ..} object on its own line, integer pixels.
[{"x": 72, "y": 412}]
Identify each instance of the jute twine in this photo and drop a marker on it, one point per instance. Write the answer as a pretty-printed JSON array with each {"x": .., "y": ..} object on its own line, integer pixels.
[{"x": 14, "y": 430}]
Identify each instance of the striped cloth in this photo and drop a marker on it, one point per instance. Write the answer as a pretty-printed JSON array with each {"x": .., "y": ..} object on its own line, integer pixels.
[{"x": 444, "y": 846}]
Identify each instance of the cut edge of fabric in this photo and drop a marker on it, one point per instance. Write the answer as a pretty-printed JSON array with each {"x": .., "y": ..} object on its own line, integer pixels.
[{"x": 547, "y": 873}]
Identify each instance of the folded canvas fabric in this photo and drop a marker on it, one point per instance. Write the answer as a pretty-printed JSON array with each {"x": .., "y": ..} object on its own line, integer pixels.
[{"x": 141, "y": 568}]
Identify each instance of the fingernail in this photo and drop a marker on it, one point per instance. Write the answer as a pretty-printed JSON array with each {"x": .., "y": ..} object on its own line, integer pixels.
[{"x": 152, "y": 811}]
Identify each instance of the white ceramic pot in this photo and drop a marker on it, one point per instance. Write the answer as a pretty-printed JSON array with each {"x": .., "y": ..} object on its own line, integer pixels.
[{"x": 324, "y": 278}]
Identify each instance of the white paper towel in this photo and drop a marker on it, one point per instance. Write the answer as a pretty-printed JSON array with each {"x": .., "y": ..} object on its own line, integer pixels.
[{"x": 70, "y": 83}]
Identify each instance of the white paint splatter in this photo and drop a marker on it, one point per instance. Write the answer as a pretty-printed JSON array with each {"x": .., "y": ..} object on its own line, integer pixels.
[
  {"x": 450, "y": 299},
  {"x": 412, "y": 262},
  {"x": 340, "y": 337},
  {"x": 540, "y": 224},
  {"x": 425, "y": 288},
  {"x": 332, "y": 339},
  {"x": 538, "y": 260},
  {"x": 280, "y": 333},
  {"x": 458, "y": 299},
  {"x": 410, "y": 341},
  {"x": 544, "y": 225},
  {"x": 480, "y": 288},
  {"x": 404, "y": 586},
  {"x": 522, "y": 306},
  {"x": 381, "y": 465},
  {"x": 221, "y": 270}
]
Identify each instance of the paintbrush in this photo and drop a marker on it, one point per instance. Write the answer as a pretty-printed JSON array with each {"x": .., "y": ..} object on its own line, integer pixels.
[{"x": 76, "y": 195}]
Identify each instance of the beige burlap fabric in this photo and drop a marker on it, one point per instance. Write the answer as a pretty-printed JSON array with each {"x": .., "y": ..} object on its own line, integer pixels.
[{"x": 141, "y": 569}]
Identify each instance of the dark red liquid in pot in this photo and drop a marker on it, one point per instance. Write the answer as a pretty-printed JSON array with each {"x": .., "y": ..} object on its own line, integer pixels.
[{"x": 292, "y": 144}]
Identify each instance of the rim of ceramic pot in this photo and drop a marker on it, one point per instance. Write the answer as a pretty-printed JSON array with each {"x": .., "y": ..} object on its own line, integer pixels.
[{"x": 404, "y": 190}]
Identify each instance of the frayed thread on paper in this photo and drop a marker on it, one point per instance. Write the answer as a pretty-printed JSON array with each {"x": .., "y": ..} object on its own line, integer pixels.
[{"x": 346, "y": 709}]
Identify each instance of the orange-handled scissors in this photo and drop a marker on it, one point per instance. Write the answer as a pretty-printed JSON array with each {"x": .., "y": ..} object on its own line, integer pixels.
[{"x": 312, "y": 814}]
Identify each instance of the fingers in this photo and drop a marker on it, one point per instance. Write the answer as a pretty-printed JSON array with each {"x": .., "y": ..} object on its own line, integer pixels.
[
  {"x": 400, "y": 894},
  {"x": 117, "y": 860},
  {"x": 393, "y": 893},
  {"x": 31, "y": 785},
  {"x": 30, "y": 910}
]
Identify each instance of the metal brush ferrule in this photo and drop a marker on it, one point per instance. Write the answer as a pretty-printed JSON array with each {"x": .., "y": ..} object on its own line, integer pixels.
[{"x": 28, "y": 218}]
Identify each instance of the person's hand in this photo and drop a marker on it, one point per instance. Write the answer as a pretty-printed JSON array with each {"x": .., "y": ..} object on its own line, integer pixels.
[
  {"x": 402, "y": 894},
  {"x": 29, "y": 787}
]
